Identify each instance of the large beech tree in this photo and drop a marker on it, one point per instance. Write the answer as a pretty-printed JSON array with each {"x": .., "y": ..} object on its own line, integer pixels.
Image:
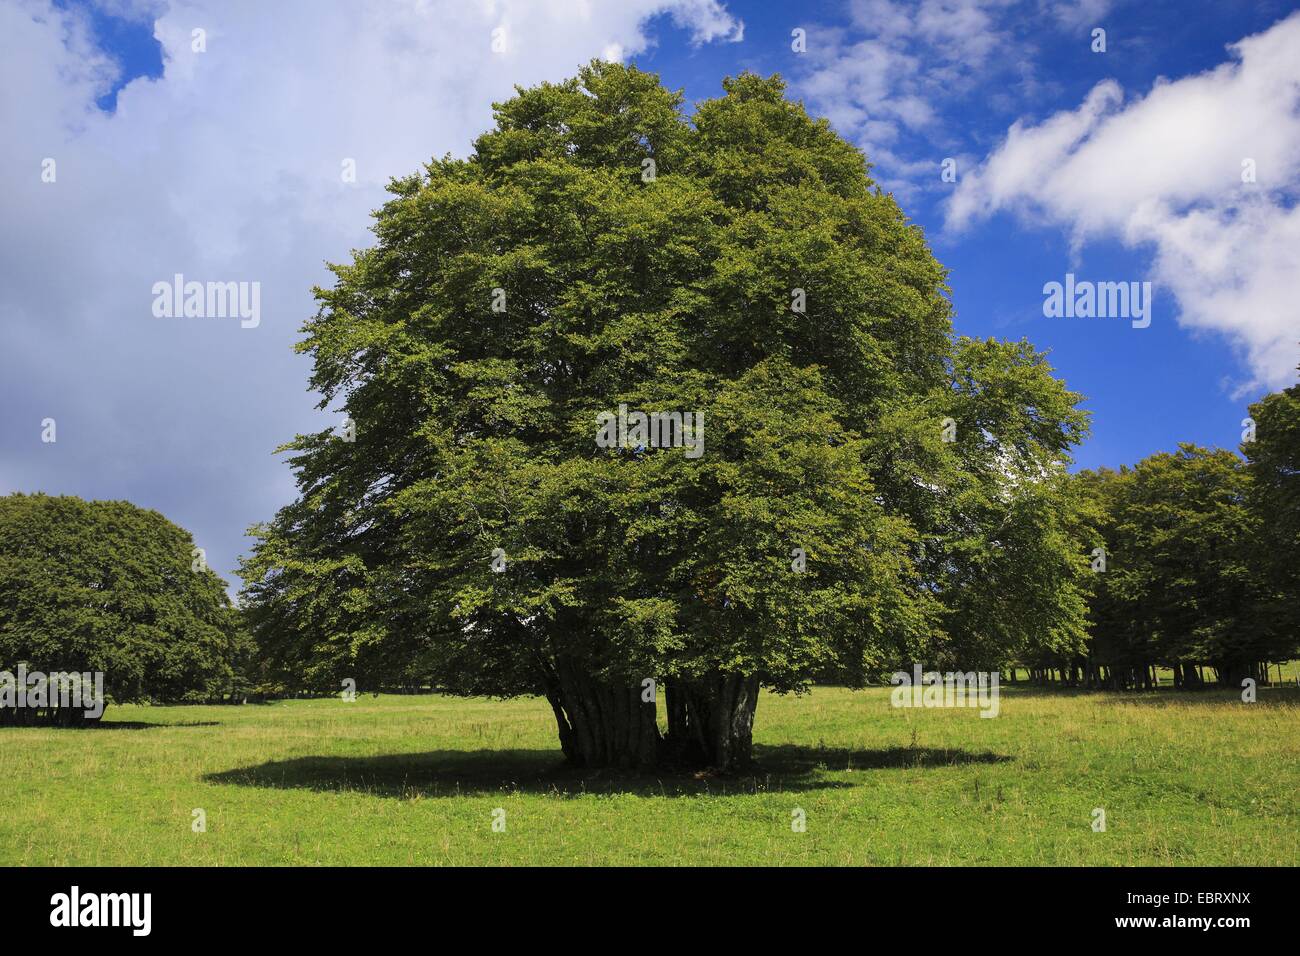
[{"x": 873, "y": 490}]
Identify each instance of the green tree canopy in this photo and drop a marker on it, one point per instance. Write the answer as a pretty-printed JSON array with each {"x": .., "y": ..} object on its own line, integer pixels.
[
  {"x": 872, "y": 491},
  {"x": 106, "y": 586},
  {"x": 1273, "y": 459},
  {"x": 1184, "y": 583}
]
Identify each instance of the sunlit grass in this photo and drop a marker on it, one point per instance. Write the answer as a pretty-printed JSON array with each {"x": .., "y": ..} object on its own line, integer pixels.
[{"x": 1197, "y": 778}]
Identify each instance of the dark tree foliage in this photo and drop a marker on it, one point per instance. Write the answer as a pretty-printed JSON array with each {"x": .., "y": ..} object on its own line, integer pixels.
[
  {"x": 1191, "y": 576},
  {"x": 89, "y": 586}
]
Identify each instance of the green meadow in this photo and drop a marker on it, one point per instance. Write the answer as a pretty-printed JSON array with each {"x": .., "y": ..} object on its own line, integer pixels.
[{"x": 1183, "y": 778}]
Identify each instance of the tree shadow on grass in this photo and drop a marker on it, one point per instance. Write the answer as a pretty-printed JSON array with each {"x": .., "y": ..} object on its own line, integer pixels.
[
  {"x": 800, "y": 760},
  {"x": 455, "y": 773},
  {"x": 146, "y": 725},
  {"x": 91, "y": 726}
]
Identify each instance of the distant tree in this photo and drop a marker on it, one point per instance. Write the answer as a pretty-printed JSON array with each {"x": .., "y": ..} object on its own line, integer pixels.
[
  {"x": 872, "y": 490},
  {"x": 1008, "y": 560},
  {"x": 1117, "y": 610},
  {"x": 106, "y": 586}
]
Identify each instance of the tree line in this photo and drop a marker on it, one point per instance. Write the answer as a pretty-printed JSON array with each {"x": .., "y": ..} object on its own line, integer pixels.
[{"x": 1200, "y": 552}]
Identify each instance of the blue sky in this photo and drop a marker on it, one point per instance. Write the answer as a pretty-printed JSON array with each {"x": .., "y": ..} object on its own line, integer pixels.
[
  {"x": 1147, "y": 389},
  {"x": 1123, "y": 165}
]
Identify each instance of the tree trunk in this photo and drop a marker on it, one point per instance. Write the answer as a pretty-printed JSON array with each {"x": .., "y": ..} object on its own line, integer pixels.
[
  {"x": 602, "y": 724},
  {"x": 1232, "y": 673},
  {"x": 711, "y": 721}
]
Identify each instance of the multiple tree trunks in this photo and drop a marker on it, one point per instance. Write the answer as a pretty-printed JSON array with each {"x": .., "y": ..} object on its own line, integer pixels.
[
  {"x": 1083, "y": 672},
  {"x": 1232, "y": 673},
  {"x": 604, "y": 724},
  {"x": 45, "y": 717},
  {"x": 711, "y": 721}
]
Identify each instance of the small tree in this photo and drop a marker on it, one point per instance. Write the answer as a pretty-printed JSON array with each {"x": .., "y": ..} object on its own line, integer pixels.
[
  {"x": 870, "y": 490},
  {"x": 104, "y": 586}
]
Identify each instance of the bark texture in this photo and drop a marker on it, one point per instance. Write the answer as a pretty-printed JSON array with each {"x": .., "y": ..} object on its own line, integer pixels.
[
  {"x": 711, "y": 721},
  {"x": 602, "y": 724}
]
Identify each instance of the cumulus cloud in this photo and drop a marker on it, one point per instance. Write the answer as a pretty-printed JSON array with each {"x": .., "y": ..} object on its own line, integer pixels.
[
  {"x": 887, "y": 79},
  {"x": 895, "y": 58},
  {"x": 1201, "y": 170},
  {"x": 227, "y": 168}
]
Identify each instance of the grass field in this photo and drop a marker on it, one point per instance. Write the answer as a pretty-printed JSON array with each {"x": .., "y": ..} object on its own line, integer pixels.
[{"x": 1183, "y": 778}]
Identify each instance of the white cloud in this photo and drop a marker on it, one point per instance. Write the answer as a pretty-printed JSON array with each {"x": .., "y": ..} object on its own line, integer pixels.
[
  {"x": 1165, "y": 172},
  {"x": 1080, "y": 13},
  {"x": 898, "y": 79},
  {"x": 227, "y": 168},
  {"x": 889, "y": 76},
  {"x": 708, "y": 21}
]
